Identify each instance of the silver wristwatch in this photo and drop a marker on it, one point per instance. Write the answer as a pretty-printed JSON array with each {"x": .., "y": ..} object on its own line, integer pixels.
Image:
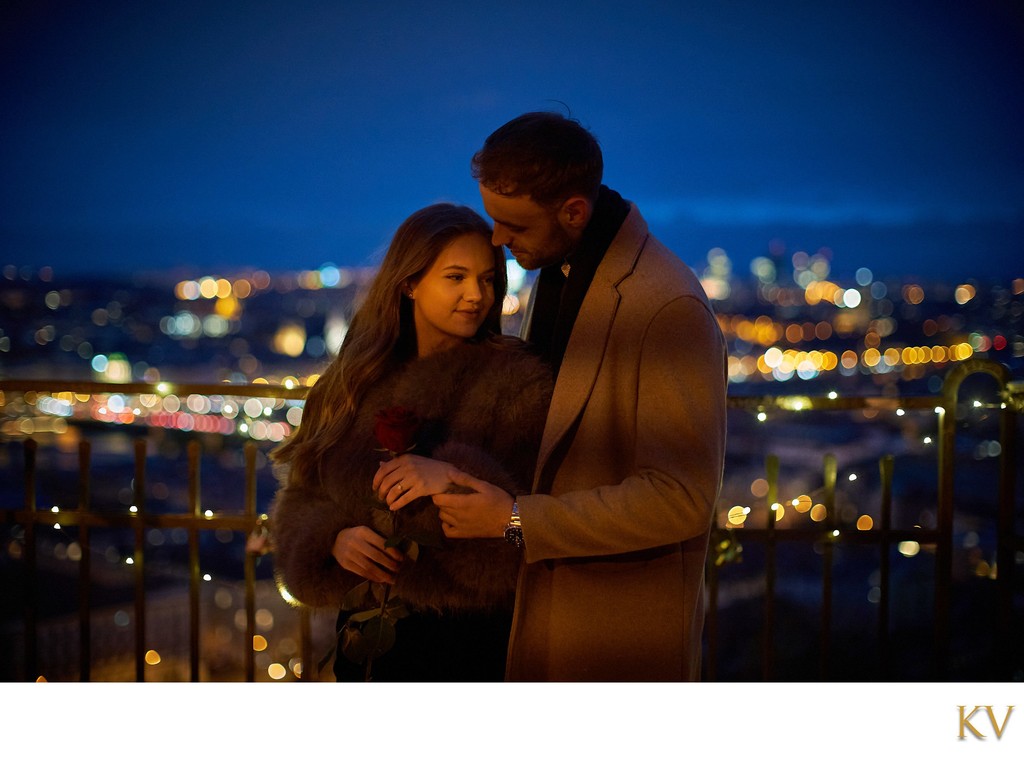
[{"x": 514, "y": 528}]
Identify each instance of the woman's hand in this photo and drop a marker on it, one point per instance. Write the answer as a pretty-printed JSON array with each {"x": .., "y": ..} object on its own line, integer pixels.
[
  {"x": 405, "y": 478},
  {"x": 361, "y": 550}
]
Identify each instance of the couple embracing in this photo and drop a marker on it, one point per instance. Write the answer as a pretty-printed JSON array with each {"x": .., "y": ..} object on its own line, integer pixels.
[{"x": 485, "y": 507}]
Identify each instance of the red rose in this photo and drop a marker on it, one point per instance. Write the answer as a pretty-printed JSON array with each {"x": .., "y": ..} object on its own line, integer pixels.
[{"x": 396, "y": 428}]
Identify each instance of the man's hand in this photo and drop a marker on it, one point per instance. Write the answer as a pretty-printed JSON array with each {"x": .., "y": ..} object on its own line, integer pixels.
[{"x": 483, "y": 513}]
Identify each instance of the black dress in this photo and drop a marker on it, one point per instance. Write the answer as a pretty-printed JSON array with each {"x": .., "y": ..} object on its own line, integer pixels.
[{"x": 460, "y": 647}]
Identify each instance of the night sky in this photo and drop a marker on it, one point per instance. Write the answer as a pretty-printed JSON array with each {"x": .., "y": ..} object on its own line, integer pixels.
[{"x": 220, "y": 135}]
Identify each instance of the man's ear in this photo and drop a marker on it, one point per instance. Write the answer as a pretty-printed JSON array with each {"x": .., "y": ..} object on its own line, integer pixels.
[{"x": 575, "y": 212}]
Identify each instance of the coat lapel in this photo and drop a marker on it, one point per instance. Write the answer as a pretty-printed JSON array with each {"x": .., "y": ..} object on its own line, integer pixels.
[{"x": 585, "y": 351}]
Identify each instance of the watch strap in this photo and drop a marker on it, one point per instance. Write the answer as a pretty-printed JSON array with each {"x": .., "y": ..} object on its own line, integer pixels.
[{"x": 514, "y": 528}]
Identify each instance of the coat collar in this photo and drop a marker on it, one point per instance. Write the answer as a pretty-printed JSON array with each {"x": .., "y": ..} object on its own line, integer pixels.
[{"x": 586, "y": 347}]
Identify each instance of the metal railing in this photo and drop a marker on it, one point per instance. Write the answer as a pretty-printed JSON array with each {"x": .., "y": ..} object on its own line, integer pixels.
[
  {"x": 883, "y": 536},
  {"x": 246, "y": 518}
]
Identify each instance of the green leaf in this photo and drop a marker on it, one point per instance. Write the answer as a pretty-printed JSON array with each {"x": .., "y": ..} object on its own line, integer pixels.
[
  {"x": 361, "y": 617},
  {"x": 411, "y": 550},
  {"x": 397, "y": 609},
  {"x": 374, "y": 636},
  {"x": 380, "y": 635},
  {"x": 356, "y": 597},
  {"x": 354, "y": 645}
]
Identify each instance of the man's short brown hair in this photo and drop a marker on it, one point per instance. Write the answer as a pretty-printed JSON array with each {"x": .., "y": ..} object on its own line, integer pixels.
[{"x": 541, "y": 154}]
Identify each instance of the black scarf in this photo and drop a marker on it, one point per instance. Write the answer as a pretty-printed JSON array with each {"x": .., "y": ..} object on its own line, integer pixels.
[{"x": 559, "y": 298}]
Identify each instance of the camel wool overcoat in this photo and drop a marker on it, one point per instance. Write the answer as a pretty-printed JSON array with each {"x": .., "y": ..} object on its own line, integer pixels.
[{"x": 616, "y": 528}]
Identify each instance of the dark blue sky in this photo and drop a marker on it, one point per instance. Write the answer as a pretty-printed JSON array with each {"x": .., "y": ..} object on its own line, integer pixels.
[{"x": 282, "y": 135}]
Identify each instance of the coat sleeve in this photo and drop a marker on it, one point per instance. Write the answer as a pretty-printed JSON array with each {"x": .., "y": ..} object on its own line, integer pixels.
[
  {"x": 678, "y": 457},
  {"x": 304, "y": 525}
]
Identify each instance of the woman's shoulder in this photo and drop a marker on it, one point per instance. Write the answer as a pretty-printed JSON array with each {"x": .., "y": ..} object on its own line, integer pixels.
[
  {"x": 495, "y": 355},
  {"x": 473, "y": 375},
  {"x": 508, "y": 376},
  {"x": 510, "y": 358}
]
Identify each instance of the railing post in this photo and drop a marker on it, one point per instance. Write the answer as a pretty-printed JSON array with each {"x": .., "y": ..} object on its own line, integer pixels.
[
  {"x": 250, "y": 565},
  {"x": 1005, "y": 637},
  {"x": 772, "y": 473},
  {"x": 885, "y": 468},
  {"x": 832, "y": 522},
  {"x": 711, "y": 623},
  {"x": 31, "y": 563},
  {"x": 944, "y": 525},
  {"x": 194, "y": 452},
  {"x": 306, "y": 638},
  {"x": 947, "y": 454},
  {"x": 84, "y": 565},
  {"x": 139, "y": 519}
]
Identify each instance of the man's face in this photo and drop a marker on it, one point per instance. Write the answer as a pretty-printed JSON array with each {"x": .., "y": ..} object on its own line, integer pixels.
[{"x": 536, "y": 235}]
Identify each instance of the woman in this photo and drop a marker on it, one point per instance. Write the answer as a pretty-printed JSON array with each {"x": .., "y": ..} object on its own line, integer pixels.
[{"x": 425, "y": 344}]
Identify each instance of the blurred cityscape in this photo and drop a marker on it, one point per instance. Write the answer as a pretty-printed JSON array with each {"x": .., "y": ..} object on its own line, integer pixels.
[
  {"x": 790, "y": 325},
  {"x": 792, "y": 329}
]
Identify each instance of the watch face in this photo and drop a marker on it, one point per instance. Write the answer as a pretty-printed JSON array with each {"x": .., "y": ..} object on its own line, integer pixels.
[{"x": 514, "y": 535}]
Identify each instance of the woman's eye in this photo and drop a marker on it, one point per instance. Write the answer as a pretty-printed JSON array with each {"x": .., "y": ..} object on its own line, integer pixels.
[{"x": 455, "y": 276}]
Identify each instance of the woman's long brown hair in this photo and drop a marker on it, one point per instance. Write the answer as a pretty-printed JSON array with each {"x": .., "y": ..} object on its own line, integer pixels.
[{"x": 382, "y": 333}]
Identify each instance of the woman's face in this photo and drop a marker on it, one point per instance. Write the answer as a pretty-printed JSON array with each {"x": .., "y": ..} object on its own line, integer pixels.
[{"x": 452, "y": 298}]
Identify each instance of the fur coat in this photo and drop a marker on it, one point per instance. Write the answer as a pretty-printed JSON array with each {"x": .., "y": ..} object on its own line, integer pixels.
[{"x": 483, "y": 409}]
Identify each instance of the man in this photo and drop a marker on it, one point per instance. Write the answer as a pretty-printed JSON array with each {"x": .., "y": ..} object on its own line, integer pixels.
[{"x": 615, "y": 530}]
